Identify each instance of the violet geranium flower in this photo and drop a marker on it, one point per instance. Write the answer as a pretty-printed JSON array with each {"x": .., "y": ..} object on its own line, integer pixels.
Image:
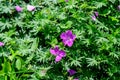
[
  {"x": 68, "y": 38},
  {"x": 58, "y": 53},
  {"x": 71, "y": 72},
  {"x": 18, "y": 8},
  {"x": 119, "y": 7},
  {"x": 76, "y": 79},
  {"x": 1, "y": 44},
  {"x": 66, "y": 0},
  {"x": 30, "y": 7},
  {"x": 94, "y": 17},
  {"x": 96, "y": 13}
]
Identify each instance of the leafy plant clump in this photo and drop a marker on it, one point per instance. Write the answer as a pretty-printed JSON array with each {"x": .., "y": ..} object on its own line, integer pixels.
[{"x": 59, "y": 40}]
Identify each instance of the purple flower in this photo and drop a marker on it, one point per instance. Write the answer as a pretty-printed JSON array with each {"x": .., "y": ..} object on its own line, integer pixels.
[
  {"x": 76, "y": 79},
  {"x": 66, "y": 0},
  {"x": 30, "y": 7},
  {"x": 18, "y": 8},
  {"x": 118, "y": 7},
  {"x": 68, "y": 38},
  {"x": 96, "y": 13},
  {"x": 94, "y": 17},
  {"x": 71, "y": 72},
  {"x": 58, "y": 53},
  {"x": 1, "y": 44}
]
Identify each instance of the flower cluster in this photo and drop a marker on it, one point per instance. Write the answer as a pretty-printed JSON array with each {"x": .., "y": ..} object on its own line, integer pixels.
[
  {"x": 67, "y": 39},
  {"x": 29, "y": 8}
]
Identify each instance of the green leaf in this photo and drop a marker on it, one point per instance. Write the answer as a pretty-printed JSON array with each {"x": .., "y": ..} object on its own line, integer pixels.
[
  {"x": 92, "y": 62},
  {"x": 18, "y": 64},
  {"x": 35, "y": 44},
  {"x": 61, "y": 1},
  {"x": 100, "y": 4},
  {"x": 54, "y": 42},
  {"x": 6, "y": 66},
  {"x": 2, "y": 78},
  {"x": 114, "y": 19},
  {"x": 114, "y": 55},
  {"x": 113, "y": 1},
  {"x": 68, "y": 24}
]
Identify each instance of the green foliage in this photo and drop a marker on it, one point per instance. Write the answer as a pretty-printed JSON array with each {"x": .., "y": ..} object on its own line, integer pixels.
[{"x": 29, "y": 35}]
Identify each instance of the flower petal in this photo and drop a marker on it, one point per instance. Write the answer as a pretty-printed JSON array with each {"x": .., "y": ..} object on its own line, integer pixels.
[
  {"x": 30, "y": 7},
  {"x": 58, "y": 58},
  {"x": 63, "y": 35},
  {"x": 68, "y": 32},
  {"x": 71, "y": 72},
  {"x": 54, "y": 51},
  {"x": 64, "y": 42},
  {"x": 96, "y": 13},
  {"x": 76, "y": 79},
  {"x": 62, "y": 53},
  {"x": 1, "y": 44},
  {"x": 18, "y": 8},
  {"x": 66, "y": 0},
  {"x": 119, "y": 7},
  {"x": 72, "y": 36},
  {"x": 93, "y": 18},
  {"x": 69, "y": 43}
]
